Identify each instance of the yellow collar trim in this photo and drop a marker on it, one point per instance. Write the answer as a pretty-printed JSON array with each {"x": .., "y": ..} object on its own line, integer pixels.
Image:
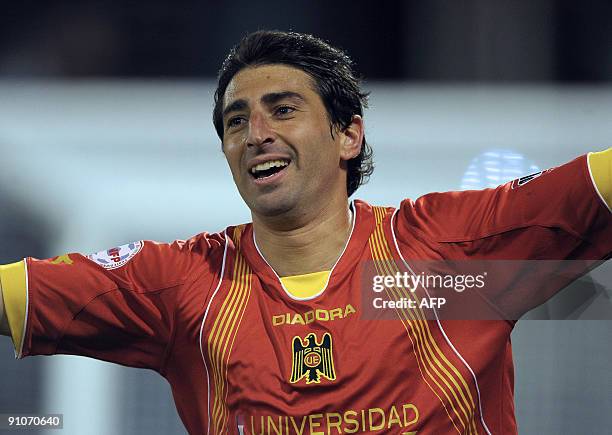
[{"x": 307, "y": 285}]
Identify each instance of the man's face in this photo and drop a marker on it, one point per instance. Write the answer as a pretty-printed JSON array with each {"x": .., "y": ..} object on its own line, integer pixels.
[{"x": 278, "y": 143}]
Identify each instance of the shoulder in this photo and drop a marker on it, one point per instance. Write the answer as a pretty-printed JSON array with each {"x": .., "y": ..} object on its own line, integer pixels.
[
  {"x": 200, "y": 245},
  {"x": 201, "y": 251},
  {"x": 208, "y": 248},
  {"x": 455, "y": 215}
]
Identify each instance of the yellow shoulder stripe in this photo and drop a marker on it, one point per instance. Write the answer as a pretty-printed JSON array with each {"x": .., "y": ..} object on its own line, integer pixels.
[
  {"x": 307, "y": 285},
  {"x": 601, "y": 169},
  {"x": 13, "y": 279}
]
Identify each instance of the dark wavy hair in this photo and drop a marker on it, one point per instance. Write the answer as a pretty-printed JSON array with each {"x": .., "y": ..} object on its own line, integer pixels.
[{"x": 331, "y": 70}]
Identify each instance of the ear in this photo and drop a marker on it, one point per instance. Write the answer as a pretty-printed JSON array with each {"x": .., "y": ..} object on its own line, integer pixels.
[{"x": 351, "y": 138}]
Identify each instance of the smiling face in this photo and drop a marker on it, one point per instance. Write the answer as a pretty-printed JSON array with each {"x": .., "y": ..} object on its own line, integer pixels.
[{"x": 278, "y": 142}]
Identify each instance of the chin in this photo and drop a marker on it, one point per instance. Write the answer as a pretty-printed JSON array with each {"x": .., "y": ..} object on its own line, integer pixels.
[
  {"x": 273, "y": 205},
  {"x": 271, "y": 209}
]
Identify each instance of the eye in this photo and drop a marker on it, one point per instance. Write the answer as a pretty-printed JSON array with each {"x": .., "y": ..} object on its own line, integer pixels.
[
  {"x": 235, "y": 121},
  {"x": 284, "y": 110}
]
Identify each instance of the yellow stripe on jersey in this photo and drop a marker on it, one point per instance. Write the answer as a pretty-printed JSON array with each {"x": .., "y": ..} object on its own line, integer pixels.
[
  {"x": 223, "y": 333},
  {"x": 601, "y": 169},
  {"x": 432, "y": 362},
  {"x": 14, "y": 290},
  {"x": 307, "y": 285}
]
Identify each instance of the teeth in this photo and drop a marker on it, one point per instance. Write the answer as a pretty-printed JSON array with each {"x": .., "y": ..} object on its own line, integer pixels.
[{"x": 267, "y": 165}]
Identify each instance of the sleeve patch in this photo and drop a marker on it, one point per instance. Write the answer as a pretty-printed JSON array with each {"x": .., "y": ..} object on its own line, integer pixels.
[
  {"x": 117, "y": 257},
  {"x": 527, "y": 178}
]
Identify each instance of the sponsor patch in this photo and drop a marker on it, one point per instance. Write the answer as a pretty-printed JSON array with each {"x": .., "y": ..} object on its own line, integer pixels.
[
  {"x": 527, "y": 178},
  {"x": 115, "y": 258}
]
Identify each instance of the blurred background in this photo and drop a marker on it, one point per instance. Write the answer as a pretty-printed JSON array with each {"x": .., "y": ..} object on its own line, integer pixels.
[{"x": 106, "y": 137}]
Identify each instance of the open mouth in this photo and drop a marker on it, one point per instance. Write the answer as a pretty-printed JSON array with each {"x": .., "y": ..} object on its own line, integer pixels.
[{"x": 268, "y": 169}]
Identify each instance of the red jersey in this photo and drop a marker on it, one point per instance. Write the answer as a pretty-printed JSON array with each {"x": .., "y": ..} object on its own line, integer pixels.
[{"x": 244, "y": 356}]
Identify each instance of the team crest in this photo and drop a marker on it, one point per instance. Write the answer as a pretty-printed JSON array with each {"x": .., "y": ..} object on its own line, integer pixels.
[
  {"x": 312, "y": 360},
  {"x": 116, "y": 257}
]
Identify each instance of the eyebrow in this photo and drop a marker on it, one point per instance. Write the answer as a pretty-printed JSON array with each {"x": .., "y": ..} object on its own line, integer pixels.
[
  {"x": 235, "y": 106},
  {"x": 267, "y": 99},
  {"x": 275, "y": 97}
]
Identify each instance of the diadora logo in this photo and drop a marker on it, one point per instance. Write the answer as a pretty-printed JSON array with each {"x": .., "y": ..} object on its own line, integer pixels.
[
  {"x": 321, "y": 315},
  {"x": 312, "y": 359}
]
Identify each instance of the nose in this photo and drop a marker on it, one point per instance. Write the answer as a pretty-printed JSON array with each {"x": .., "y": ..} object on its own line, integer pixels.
[{"x": 260, "y": 131}]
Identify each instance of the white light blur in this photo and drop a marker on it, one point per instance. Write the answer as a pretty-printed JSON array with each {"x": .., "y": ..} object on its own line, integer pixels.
[{"x": 494, "y": 167}]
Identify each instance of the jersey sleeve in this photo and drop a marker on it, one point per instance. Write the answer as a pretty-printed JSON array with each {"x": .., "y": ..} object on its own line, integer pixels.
[
  {"x": 116, "y": 305},
  {"x": 557, "y": 214}
]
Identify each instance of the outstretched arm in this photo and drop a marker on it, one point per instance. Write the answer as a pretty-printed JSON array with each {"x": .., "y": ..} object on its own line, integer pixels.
[{"x": 116, "y": 305}]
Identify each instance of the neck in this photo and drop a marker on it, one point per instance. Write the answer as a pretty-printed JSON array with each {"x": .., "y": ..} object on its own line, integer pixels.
[{"x": 309, "y": 243}]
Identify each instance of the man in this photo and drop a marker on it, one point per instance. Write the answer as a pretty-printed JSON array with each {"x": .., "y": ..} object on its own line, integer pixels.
[{"x": 263, "y": 328}]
